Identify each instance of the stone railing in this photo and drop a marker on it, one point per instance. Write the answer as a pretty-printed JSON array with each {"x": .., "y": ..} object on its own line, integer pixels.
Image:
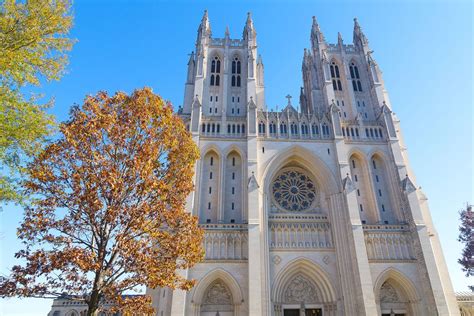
[
  {"x": 225, "y": 241},
  {"x": 355, "y": 132},
  {"x": 300, "y": 235},
  {"x": 217, "y": 41},
  {"x": 222, "y": 42},
  {"x": 388, "y": 242}
]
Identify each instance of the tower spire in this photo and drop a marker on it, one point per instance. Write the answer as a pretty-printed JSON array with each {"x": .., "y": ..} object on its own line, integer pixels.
[
  {"x": 317, "y": 36},
  {"x": 340, "y": 42},
  {"x": 249, "y": 29},
  {"x": 205, "y": 27},
  {"x": 359, "y": 37}
]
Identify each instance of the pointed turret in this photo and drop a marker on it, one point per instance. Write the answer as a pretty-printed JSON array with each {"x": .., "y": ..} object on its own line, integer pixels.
[
  {"x": 227, "y": 32},
  {"x": 191, "y": 66},
  {"x": 303, "y": 102},
  {"x": 359, "y": 37},
  {"x": 260, "y": 71},
  {"x": 340, "y": 42},
  {"x": 249, "y": 30},
  {"x": 317, "y": 36},
  {"x": 204, "y": 29}
]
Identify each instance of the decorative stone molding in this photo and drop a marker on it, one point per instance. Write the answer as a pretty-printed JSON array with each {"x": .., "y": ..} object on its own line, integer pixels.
[
  {"x": 388, "y": 294},
  {"x": 217, "y": 294},
  {"x": 225, "y": 245},
  {"x": 389, "y": 245},
  {"x": 301, "y": 235},
  {"x": 301, "y": 290}
]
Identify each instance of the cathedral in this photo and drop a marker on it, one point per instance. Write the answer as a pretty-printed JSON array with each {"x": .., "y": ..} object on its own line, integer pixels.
[{"x": 307, "y": 210}]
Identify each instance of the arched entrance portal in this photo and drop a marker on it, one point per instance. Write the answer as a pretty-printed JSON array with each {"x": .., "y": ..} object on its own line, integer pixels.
[
  {"x": 217, "y": 293},
  {"x": 217, "y": 300},
  {"x": 302, "y": 288},
  {"x": 396, "y": 295}
]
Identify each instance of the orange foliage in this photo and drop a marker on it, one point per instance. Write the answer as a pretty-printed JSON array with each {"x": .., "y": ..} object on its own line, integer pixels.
[{"x": 110, "y": 210}]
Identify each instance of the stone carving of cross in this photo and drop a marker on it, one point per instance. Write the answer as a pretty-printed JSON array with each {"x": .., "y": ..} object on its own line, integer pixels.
[{"x": 289, "y": 99}]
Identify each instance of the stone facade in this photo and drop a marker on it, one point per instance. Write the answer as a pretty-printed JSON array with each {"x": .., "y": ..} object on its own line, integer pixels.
[
  {"x": 311, "y": 210},
  {"x": 306, "y": 212}
]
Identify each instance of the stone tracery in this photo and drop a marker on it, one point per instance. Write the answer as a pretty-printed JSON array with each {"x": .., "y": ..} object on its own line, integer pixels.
[{"x": 293, "y": 191}]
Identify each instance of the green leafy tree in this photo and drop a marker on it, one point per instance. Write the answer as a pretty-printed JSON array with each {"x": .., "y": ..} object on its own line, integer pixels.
[
  {"x": 466, "y": 236},
  {"x": 33, "y": 45}
]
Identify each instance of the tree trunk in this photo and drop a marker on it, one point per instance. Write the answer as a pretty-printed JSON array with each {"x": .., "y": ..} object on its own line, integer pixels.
[{"x": 93, "y": 304}]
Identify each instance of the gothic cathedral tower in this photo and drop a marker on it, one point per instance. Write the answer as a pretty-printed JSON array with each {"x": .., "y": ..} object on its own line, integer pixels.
[{"x": 311, "y": 210}]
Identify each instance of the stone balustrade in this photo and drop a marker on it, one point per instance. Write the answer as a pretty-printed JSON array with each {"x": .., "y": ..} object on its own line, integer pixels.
[
  {"x": 300, "y": 235},
  {"x": 390, "y": 243},
  {"x": 225, "y": 241}
]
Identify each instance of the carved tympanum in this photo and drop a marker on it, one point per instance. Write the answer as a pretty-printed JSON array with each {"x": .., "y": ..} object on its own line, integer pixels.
[
  {"x": 388, "y": 294},
  {"x": 301, "y": 290},
  {"x": 217, "y": 294}
]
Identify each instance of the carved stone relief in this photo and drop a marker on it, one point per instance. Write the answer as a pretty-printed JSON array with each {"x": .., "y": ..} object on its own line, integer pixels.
[
  {"x": 217, "y": 294},
  {"x": 388, "y": 294},
  {"x": 301, "y": 290}
]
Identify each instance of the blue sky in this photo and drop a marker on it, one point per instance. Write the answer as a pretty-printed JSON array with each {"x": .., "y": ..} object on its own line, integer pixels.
[{"x": 424, "y": 49}]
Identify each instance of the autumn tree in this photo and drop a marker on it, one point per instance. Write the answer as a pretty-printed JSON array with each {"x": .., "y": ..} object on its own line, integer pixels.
[
  {"x": 110, "y": 214},
  {"x": 466, "y": 237},
  {"x": 33, "y": 45}
]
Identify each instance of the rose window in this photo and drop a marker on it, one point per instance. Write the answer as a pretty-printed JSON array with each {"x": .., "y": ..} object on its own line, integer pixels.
[{"x": 293, "y": 191}]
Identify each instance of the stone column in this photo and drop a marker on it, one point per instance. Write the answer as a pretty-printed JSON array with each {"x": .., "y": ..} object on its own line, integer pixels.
[
  {"x": 362, "y": 275},
  {"x": 433, "y": 268},
  {"x": 255, "y": 250}
]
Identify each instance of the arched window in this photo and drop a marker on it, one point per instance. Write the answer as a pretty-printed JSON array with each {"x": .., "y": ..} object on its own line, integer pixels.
[
  {"x": 273, "y": 128},
  {"x": 261, "y": 127},
  {"x": 235, "y": 81},
  {"x": 203, "y": 128},
  {"x": 215, "y": 70},
  {"x": 356, "y": 84},
  {"x": 243, "y": 129},
  {"x": 315, "y": 129},
  {"x": 325, "y": 130},
  {"x": 294, "y": 128},
  {"x": 335, "y": 77}
]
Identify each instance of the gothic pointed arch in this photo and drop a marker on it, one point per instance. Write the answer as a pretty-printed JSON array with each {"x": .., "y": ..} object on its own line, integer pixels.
[
  {"x": 233, "y": 187},
  {"x": 306, "y": 159},
  {"x": 395, "y": 292},
  {"x": 354, "y": 71},
  {"x": 361, "y": 178},
  {"x": 303, "y": 281},
  {"x": 383, "y": 189},
  {"x": 218, "y": 289},
  {"x": 336, "y": 71},
  {"x": 209, "y": 184}
]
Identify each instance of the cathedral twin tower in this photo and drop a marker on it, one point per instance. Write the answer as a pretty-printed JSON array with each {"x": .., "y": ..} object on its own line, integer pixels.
[{"x": 306, "y": 212}]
